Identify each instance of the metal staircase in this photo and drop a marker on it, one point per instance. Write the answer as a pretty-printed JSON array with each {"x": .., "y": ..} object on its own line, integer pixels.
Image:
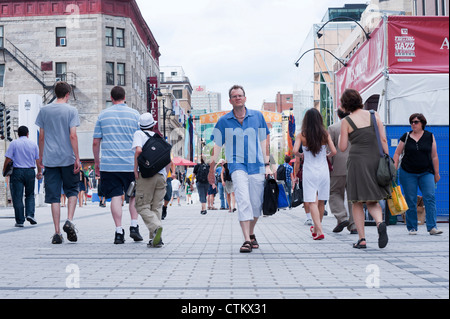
[{"x": 35, "y": 71}]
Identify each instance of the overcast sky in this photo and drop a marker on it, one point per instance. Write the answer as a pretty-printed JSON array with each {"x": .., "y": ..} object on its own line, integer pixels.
[{"x": 220, "y": 43}]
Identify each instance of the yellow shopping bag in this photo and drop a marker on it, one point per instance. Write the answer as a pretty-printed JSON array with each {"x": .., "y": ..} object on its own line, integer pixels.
[{"x": 397, "y": 203}]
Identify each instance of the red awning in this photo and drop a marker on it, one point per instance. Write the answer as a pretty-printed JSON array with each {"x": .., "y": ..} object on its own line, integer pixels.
[{"x": 179, "y": 161}]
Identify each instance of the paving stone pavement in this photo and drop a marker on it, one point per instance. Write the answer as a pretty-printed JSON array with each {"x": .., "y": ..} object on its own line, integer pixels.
[{"x": 201, "y": 260}]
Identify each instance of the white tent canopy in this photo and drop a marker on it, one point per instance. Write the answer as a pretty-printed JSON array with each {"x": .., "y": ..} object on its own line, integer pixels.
[{"x": 406, "y": 94}]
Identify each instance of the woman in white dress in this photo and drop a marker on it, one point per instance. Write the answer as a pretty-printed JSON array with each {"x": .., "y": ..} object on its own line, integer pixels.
[{"x": 316, "y": 176}]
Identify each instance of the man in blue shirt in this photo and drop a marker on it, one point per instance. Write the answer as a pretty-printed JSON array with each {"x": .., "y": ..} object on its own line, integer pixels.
[
  {"x": 245, "y": 134},
  {"x": 25, "y": 155},
  {"x": 114, "y": 132}
]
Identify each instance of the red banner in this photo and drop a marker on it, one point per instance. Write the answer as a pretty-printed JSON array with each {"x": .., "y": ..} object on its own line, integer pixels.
[
  {"x": 418, "y": 44},
  {"x": 365, "y": 66}
]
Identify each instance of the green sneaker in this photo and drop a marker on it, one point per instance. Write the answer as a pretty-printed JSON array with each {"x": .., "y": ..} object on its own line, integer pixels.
[{"x": 156, "y": 241}]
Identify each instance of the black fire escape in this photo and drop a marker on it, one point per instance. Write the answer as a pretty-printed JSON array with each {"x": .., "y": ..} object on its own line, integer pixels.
[{"x": 36, "y": 72}]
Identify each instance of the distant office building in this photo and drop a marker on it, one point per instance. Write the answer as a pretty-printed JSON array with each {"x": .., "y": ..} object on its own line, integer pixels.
[
  {"x": 202, "y": 99},
  {"x": 174, "y": 81}
]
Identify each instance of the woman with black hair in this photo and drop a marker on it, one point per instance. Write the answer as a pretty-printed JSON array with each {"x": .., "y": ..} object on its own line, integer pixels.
[{"x": 316, "y": 177}]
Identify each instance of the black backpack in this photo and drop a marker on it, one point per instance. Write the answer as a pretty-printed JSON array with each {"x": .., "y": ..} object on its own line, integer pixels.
[
  {"x": 202, "y": 173},
  {"x": 155, "y": 155},
  {"x": 281, "y": 173},
  {"x": 270, "y": 201}
]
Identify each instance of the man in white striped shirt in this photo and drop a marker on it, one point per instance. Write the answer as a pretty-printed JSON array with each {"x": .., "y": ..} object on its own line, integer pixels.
[{"x": 114, "y": 132}]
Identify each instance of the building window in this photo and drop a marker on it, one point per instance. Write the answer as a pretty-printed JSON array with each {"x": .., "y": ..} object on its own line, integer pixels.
[
  {"x": 1, "y": 36},
  {"x": 2, "y": 74},
  {"x": 61, "y": 71},
  {"x": 121, "y": 74},
  {"x": 109, "y": 73},
  {"x": 61, "y": 38},
  {"x": 423, "y": 8},
  {"x": 109, "y": 37},
  {"x": 178, "y": 94},
  {"x": 120, "y": 38}
]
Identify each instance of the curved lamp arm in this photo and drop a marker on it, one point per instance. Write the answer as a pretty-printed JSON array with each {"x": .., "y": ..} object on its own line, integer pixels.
[
  {"x": 319, "y": 35},
  {"x": 340, "y": 60}
]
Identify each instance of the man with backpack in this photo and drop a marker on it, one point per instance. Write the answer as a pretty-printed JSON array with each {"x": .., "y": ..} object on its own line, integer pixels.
[
  {"x": 150, "y": 190},
  {"x": 201, "y": 172}
]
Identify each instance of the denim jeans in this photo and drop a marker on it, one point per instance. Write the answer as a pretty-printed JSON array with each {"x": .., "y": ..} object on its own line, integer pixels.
[
  {"x": 425, "y": 182},
  {"x": 22, "y": 178},
  {"x": 221, "y": 195},
  {"x": 289, "y": 190}
]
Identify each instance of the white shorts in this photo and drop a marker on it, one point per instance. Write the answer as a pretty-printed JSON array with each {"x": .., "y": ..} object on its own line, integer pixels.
[{"x": 249, "y": 194}]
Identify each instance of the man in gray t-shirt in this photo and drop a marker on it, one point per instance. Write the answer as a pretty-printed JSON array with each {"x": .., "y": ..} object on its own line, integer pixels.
[{"x": 58, "y": 153}]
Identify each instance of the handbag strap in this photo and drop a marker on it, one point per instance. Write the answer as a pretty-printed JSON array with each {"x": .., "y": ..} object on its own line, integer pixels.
[
  {"x": 406, "y": 140},
  {"x": 377, "y": 132}
]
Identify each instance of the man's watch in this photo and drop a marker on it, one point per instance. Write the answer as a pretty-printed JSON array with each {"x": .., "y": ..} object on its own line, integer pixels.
[{"x": 267, "y": 164}]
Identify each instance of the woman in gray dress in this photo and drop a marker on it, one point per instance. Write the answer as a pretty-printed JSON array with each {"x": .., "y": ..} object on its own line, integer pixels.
[{"x": 362, "y": 163}]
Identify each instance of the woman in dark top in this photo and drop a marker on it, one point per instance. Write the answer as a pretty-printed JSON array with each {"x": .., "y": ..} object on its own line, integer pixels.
[
  {"x": 362, "y": 187},
  {"x": 419, "y": 168}
]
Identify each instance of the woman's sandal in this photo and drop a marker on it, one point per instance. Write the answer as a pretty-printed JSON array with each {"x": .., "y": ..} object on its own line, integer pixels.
[
  {"x": 255, "y": 244},
  {"x": 382, "y": 235},
  {"x": 358, "y": 245},
  {"x": 246, "y": 247}
]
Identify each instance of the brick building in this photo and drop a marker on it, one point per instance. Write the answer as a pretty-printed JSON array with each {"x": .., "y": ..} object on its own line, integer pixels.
[{"x": 283, "y": 102}]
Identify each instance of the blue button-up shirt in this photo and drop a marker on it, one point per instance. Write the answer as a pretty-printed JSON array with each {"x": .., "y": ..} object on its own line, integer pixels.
[
  {"x": 242, "y": 142},
  {"x": 23, "y": 152}
]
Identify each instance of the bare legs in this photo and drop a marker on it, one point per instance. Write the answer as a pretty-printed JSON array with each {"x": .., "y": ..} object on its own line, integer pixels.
[
  {"x": 56, "y": 212},
  {"x": 116, "y": 210},
  {"x": 359, "y": 218},
  {"x": 248, "y": 228},
  {"x": 317, "y": 210}
]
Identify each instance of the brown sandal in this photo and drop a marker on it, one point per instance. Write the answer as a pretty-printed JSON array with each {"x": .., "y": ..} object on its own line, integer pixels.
[
  {"x": 246, "y": 247},
  {"x": 255, "y": 244}
]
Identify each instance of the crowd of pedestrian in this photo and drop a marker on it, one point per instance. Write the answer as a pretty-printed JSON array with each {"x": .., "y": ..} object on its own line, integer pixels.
[{"x": 337, "y": 165}]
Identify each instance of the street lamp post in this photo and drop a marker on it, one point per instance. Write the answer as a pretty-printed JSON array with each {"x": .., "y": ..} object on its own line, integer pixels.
[{"x": 162, "y": 98}]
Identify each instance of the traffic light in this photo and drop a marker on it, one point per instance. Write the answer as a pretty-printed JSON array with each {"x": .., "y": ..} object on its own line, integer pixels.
[
  {"x": 8, "y": 125},
  {"x": 2, "y": 121}
]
